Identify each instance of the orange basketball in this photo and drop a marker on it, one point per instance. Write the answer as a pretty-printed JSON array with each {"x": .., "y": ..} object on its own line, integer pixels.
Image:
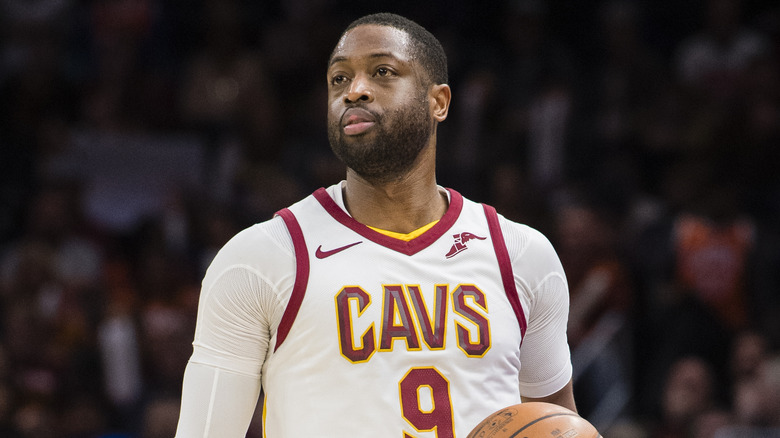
[{"x": 534, "y": 420}]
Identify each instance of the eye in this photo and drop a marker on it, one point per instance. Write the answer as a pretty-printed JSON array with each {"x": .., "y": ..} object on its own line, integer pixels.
[
  {"x": 383, "y": 72},
  {"x": 338, "y": 79}
]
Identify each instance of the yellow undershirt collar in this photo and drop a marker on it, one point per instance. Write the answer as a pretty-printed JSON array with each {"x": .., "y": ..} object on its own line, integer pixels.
[{"x": 408, "y": 236}]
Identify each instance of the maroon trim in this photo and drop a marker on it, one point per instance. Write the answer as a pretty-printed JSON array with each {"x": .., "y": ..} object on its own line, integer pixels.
[
  {"x": 505, "y": 265},
  {"x": 301, "y": 275},
  {"x": 404, "y": 247}
]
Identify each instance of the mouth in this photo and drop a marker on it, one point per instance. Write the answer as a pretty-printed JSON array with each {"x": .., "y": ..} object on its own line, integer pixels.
[{"x": 356, "y": 121}]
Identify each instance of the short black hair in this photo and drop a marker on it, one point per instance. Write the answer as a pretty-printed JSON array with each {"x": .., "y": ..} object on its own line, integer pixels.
[{"x": 426, "y": 46}]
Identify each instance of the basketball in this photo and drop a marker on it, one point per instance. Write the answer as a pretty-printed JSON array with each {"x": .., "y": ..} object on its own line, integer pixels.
[{"x": 534, "y": 420}]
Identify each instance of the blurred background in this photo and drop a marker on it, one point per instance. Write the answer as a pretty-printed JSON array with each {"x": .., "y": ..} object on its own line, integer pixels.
[{"x": 642, "y": 137}]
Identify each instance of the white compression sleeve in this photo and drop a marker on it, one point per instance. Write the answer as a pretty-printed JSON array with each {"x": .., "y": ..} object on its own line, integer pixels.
[
  {"x": 216, "y": 403},
  {"x": 545, "y": 356},
  {"x": 239, "y": 309}
]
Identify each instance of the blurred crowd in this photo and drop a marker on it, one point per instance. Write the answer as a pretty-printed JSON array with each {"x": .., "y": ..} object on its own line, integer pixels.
[{"x": 642, "y": 137}]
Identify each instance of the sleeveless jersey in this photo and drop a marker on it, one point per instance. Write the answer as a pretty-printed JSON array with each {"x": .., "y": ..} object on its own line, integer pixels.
[{"x": 389, "y": 338}]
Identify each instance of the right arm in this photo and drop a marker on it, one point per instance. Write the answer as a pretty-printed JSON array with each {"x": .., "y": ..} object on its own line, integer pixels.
[
  {"x": 216, "y": 402},
  {"x": 237, "y": 315}
]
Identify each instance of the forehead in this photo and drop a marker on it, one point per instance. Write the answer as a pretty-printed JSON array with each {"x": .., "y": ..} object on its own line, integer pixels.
[{"x": 372, "y": 40}]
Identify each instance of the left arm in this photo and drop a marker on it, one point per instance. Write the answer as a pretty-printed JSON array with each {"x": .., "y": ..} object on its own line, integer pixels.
[
  {"x": 546, "y": 372},
  {"x": 563, "y": 397}
]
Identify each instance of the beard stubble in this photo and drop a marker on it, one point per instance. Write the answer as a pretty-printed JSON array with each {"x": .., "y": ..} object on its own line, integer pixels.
[{"x": 389, "y": 150}]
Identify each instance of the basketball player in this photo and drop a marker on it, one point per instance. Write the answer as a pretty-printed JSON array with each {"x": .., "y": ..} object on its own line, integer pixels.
[{"x": 385, "y": 305}]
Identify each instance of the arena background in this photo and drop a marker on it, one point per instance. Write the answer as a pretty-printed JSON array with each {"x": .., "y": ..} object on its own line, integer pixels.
[{"x": 642, "y": 137}]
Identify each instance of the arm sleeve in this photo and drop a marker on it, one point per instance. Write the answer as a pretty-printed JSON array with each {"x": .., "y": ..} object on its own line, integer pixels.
[
  {"x": 237, "y": 315},
  {"x": 544, "y": 355},
  {"x": 216, "y": 402}
]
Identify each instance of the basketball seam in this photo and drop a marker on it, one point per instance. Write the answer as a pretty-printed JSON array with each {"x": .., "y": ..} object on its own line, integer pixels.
[{"x": 538, "y": 420}]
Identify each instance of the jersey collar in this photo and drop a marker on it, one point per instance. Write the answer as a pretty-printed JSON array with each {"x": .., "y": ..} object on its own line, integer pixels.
[{"x": 410, "y": 247}]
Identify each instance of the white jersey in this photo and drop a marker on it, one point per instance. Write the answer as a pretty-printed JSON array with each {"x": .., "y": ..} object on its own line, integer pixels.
[{"x": 368, "y": 335}]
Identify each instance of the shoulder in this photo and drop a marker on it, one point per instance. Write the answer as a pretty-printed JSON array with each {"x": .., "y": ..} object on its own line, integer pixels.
[
  {"x": 534, "y": 259},
  {"x": 527, "y": 243},
  {"x": 529, "y": 249},
  {"x": 532, "y": 255},
  {"x": 264, "y": 249}
]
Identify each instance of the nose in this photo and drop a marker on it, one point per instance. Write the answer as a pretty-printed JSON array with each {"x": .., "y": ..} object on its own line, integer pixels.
[{"x": 359, "y": 90}]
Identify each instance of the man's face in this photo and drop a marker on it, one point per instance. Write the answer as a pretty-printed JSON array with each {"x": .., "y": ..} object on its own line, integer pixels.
[{"x": 378, "y": 110}]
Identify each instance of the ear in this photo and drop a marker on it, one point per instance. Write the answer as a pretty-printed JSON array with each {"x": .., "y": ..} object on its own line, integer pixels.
[{"x": 439, "y": 98}]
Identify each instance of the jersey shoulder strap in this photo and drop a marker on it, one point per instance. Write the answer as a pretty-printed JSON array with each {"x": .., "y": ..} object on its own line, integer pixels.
[
  {"x": 505, "y": 265},
  {"x": 301, "y": 275}
]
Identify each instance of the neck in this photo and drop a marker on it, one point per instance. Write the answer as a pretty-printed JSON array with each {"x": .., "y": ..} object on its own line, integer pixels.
[{"x": 401, "y": 205}]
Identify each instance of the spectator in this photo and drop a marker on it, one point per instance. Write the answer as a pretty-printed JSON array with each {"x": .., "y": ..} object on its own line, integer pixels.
[
  {"x": 715, "y": 59},
  {"x": 711, "y": 421},
  {"x": 749, "y": 352},
  {"x": 688, "y": 392},
  {"x": 756, "y": 405}
]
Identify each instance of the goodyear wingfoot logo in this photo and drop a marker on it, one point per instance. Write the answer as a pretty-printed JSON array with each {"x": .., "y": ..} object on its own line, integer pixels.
[{"x": 460, "y": 243}]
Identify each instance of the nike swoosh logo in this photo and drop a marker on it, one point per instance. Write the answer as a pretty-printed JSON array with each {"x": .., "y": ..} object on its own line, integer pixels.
[{"x": 320, "y": 254}]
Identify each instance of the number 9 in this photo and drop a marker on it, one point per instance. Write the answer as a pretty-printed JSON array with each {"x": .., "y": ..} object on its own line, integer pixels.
[{"x": 439, "y": 417}]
